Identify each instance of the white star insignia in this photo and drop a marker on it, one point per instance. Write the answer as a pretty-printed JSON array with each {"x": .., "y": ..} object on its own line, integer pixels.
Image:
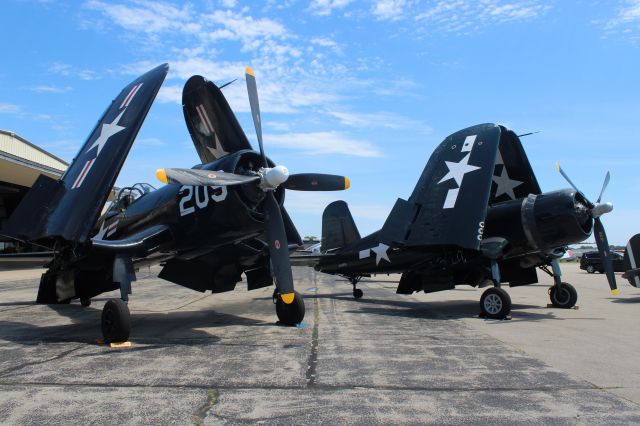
[
  {"x": 506, "y": 185},
  {"x": 458, "y": 170},
  {"x": 381, "y": 253},
  {"x": 106, "y": 132}
]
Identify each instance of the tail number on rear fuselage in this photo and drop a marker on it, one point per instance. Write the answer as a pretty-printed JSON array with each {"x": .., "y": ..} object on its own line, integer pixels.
[{"x": 199, "y": 196}]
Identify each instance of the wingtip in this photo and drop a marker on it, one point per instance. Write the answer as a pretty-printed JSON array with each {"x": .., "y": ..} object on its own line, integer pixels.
[
  {"x": 249, "y": 71},
  {"x": 161, "y": 175}
]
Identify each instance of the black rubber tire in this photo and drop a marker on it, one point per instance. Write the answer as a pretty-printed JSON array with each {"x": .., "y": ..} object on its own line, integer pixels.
[
  {"x": 357, "y": 293},
  {"x": 566, "y": 299},
  {"x": 590, "y": 269},
  {"x": 85, "y": 302},
  {"x": 116, "y": 321},
  {"x": 292, "y": 313},
  {"x": 495, "y": 303}
]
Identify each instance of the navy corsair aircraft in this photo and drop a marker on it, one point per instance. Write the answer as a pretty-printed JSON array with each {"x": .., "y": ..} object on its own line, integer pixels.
[
  {"x": 212, "y": 223},
  {"x": 477, "y": 216}
]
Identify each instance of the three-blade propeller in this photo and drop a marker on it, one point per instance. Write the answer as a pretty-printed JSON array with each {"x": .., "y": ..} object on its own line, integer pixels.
[
  {"x": 268, "y": 179},
  {"x": 596, "y": 210}
]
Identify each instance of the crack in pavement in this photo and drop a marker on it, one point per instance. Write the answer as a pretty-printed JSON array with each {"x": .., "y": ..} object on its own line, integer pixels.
[
  {"x": 39, "y": 362},
  {"x": 321, "y": 387},
  {"x": 312, "y": 362}
]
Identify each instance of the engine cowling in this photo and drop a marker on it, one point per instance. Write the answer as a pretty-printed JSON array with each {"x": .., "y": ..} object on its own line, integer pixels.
[{"x": 542, "y": 222}]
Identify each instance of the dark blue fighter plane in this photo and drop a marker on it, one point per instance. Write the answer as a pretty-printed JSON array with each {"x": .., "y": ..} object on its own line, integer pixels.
[
  {"x": 212, "y": 223},
  {"x": 477, "y": 216}
]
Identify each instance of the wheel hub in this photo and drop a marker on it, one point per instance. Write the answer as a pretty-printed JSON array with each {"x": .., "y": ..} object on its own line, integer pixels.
[{"x": 493, "y": 304}]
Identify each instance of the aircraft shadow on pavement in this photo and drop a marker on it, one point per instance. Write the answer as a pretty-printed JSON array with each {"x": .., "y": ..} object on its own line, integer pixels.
[
  {"x": 628, "y": 300},
  {"x": 437, "y": 310},
  {"x": 182, "y": 328}
]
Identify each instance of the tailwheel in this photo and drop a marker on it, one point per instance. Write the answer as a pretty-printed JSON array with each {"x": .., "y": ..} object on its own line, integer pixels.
[
  {"x": 495, "y": 303},
  {"x": 357, "y": 293},
  {"x": 291, "y": 313},
  {"x": 566, "y": 298},
  {"x": 116, "y": 321}
]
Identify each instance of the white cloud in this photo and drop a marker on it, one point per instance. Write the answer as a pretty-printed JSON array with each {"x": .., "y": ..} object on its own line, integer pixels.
[
  {"x": 626, "y": 22},
  {"x": 466, "y": 16},
  {"x": 377, "y": 119},
  {"x": 325, "y": 7},
  {"x": 6, "y": 108},
  {"x": 320, "y": 143},
  {"x": 51, "y": 89},
  {"x": 389, "y": 10},
  {"x": 145, "y": 16}
]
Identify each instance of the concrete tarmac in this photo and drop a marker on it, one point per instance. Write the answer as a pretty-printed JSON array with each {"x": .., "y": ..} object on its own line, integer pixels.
[{"x": 384, "y": 359}]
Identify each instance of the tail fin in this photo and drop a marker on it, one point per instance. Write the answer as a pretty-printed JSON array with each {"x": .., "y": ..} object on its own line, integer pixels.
[
  {"x": 632, "y": 261},
  {"x": 68, "y": 208},
  {"x": 338, "y": 227}
]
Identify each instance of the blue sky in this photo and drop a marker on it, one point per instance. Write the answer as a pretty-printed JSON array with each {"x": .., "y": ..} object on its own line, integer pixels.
[{"x": 365, "y": 89}]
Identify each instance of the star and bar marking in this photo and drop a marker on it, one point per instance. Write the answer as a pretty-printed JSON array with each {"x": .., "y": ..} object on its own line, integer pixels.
[
  {"x": 505, "y": 185},
  {"x": 380, "y": 251},
  {"x": 106, "y": 131},
  {"x": 457, "y": 170}
]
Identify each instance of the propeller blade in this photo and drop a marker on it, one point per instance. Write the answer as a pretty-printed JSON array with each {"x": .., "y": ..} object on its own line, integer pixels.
[
  {"x": 564, "y": 175},
  {"x": 316, "y": 182},
  {"x": 604, "y": 186},
  {"x": 197, "y": 177},
  {"x": 252, "y": 89},
  {"x": 605, "y": 253},
  {"x": 278, "y": 248}
]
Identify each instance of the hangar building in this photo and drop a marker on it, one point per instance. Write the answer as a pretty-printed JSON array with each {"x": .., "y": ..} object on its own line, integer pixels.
[{"x": 21, "y": 162}]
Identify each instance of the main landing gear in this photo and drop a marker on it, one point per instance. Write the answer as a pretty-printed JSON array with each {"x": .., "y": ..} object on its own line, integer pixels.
[
  {"x": 357, "y": 293},
  {"x": 291, "y": 313},
  {"x": 562, "y": 295},
  {"x": 116, "y": 319},
  {"x": 495, "y": 302}
]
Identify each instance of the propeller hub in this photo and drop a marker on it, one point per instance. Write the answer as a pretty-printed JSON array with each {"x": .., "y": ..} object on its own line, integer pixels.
[
  {"x": 601, "y": 208},
  {"x": 273, "y": 177}
]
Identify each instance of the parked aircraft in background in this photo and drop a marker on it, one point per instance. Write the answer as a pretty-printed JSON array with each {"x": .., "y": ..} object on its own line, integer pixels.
[{"x": 477, "y": 216}]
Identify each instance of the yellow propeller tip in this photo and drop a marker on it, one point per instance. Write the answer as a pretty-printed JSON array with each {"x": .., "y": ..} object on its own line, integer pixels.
[
  {"x": 558, "y": 166},
  {"x": 161, "y": 175},
  {"x": 347, "y": 183},
  {"x": 287, "y": 298},
  {"x": 615, "y": 291},
  {"x": 249, "y": 71}
]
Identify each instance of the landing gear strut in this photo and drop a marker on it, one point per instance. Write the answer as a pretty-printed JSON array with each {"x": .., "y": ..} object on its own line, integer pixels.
[
  {"x": 563, "y": 295},
  {"x": 495, "y": 302},
  {"x": 357, "y": 293},
  {"x": 116, "y": 319},
  {"x": 292, "y": 313}
]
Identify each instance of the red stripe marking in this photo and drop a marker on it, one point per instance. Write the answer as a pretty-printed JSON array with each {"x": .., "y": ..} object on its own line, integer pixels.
[
  {"x": 130, "y": 96},
  {"x": 75, "y": 183},
  {"x": 83, "y": 174}
]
